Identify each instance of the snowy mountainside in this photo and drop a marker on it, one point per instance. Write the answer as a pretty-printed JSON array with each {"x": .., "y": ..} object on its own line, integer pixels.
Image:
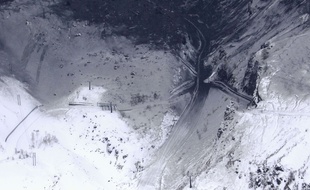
[
  {"x": 235, "y": 57},
  {"x": 265, "y": 55},
  {"x": 217, "y": 141},
  {"x": 267, "y": 147},
  {"x": 55, "y": 57},
  {"x": 75, "y": 147}
]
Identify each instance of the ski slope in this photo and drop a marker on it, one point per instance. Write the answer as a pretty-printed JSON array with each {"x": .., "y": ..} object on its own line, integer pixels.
[{"x": 75, "y": 147}]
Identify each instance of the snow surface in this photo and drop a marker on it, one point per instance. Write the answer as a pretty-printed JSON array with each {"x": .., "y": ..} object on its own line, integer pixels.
[{"x": 75, "y": 147}]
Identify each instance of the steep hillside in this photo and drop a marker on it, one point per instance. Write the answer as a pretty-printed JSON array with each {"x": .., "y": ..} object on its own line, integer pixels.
[
  {"x": 266, "y": 147},
  {"x": 205, "y": 94},
  {"x": 266, "y": 56},
  {"x": 261, "y": 49},
  {"x": 55, "y": 57}
]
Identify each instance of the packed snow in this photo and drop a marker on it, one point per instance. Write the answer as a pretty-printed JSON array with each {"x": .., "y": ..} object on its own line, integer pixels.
[{"x": 80, "y": 147}]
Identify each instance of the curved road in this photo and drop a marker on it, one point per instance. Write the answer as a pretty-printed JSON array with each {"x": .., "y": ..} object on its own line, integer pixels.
[{"x": 223, "y": 87}]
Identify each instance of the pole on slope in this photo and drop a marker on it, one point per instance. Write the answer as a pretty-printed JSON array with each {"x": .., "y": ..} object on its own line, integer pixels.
[
  {"x": 190, "y": 182},
  {"x": 18, "y": 100},
  {"x": 111, "y": 107},
  {"x": 11, "y": 68},
  {"x": 34, "y": 159}
]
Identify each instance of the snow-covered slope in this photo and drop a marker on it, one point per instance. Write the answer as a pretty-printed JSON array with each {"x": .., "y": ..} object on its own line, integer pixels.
[
  {"x": 56, "y": 56},
  {"x": 73, "y": 147},
  {"x": 259, "y": 48},
  {"x": 267, "y": 147}
]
